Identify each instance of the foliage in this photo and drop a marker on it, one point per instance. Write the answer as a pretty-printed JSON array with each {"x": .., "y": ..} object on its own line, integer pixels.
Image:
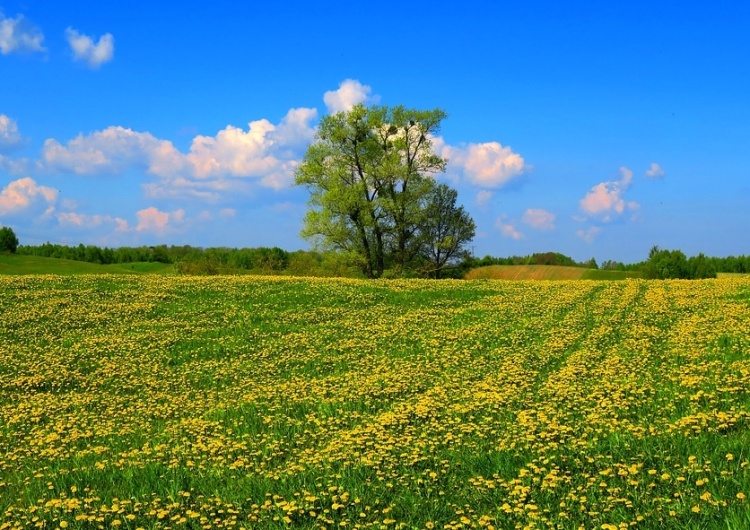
[
  {"x": 666, "y": 264},
  {"x": 445, "y": 230},
  {"x": 8, "y": 240},
  {"x": 185, "y": 402},
  {"x": 369, "y": 174},
  {"x": 274, "y": 260}
]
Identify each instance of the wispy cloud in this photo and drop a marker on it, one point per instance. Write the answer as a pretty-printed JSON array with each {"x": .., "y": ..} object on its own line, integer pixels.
[
  {"x": 17, "y": 35},
  {"x": 84, "y": 49},
  {"x": 507, "y": 228},
  {"x": 589, "y": 234},
  {"x": 10, "y": 138},
  {"x": 483, "y": 197},
  {"x": 539, "y": 219},
  {"x": 82, "y": 220},
  {"x": 655, "y": 171}
]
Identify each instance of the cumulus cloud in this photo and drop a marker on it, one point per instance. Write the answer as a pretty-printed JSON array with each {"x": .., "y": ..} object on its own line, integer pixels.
[
  {"x": 93, "y": 54},
  {"x": 350, "y": 93},
  {"x": 589, "y": 234},
  {"x": 488, "y": 165},
  {"x": 157, "y": 222},
  {"x": 539, "y": 219},
  {"x": 18, "y": 35},
  {"x": 655, "y": 171},
  {"x": 235, "y": 158},
  {"x": 112, "y": 151},
  {"x": 605, "y": 200},
  {"x": 507, "y": 228},
  {"x": 265, "y": 152},
  {"x": 23, "y": 193}
]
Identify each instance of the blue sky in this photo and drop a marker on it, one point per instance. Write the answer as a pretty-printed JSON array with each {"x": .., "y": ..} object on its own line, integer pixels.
[{"x": 595, "y": 129}]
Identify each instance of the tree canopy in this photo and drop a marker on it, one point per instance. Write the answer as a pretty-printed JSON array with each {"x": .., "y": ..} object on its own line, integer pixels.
[
  {"x": 373, "y": 194},
  {"x": 8, "y": 240}
]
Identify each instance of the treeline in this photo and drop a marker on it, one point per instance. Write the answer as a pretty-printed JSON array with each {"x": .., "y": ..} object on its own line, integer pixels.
[
  {"x": 669, "y": 264},
  {"x": 197, "y": 260},
  {"x": 274, "y": 260},
  {"x": 540, "y": 258}
]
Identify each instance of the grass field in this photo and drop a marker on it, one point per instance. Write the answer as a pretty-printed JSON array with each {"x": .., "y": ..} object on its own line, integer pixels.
[
  {"x": 544, "y": 272},
  {"x": 11, "y": 264},
  {"x": 147, "y": 401}
]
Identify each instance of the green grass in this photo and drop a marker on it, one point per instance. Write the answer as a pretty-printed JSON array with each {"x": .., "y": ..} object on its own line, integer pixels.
[
  {"x": 160, "y": 401},
  {"x": 11, "y": 264}
]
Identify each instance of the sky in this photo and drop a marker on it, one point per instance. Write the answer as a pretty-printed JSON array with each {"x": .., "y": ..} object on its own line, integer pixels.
[{"x": 594, "y": 129}]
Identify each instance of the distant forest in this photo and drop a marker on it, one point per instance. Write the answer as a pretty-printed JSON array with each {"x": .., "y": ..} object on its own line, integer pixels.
[{"x": 274, "y": 260}]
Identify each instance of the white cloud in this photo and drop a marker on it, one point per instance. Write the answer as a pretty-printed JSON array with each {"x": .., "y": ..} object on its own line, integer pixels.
[
  {"x": 605, "y": 200},
  {"x": 489, "y": 164},
  {"x": 655, "y": 171},
  {"x": 112, "y": 151},
  {"x": 10, "y": 138},
  {"x": 589, "y": 234},
  {"x": 85, "y": 50},
  {"x": 236, "y": 158},
  {"x": 265, "y": 152},
  {"x": 350, "y": 93},
  {"x": 20, "y": 194},
  {"x": 539, "y": 219},
  {"x": 507, "y": 228},
  {"x": 209, "y": 190},
  {"x": 483, "y": 197},
  {"x": 18, "y": 35},
  {"x": 627, "y": 177},
  {"x": 82, "y": 220},
  {"x": 13, "y": 166},
  {"x": 157, "y": 222}
]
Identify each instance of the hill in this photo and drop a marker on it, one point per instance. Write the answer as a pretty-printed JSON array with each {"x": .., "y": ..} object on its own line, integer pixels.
[
  {"x": 545, "y": 272},
  {"x": 15, "y": 265}
]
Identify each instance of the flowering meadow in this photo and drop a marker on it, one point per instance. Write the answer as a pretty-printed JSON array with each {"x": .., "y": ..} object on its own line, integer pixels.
[{"x": 162, "y": 402}]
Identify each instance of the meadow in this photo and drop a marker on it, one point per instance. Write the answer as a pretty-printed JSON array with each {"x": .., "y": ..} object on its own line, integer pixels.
[
  {"x": 155, "y": 402},
  {"x": 546, "y": 272}
]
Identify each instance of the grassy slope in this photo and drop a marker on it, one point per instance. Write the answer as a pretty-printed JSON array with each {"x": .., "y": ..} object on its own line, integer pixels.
[
  {"x": 19, "y": 265},
  {"x": 544, "y": 272}
]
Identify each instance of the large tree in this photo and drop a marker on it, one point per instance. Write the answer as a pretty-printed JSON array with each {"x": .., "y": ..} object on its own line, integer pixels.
[{"x": 369, "y": 174}]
